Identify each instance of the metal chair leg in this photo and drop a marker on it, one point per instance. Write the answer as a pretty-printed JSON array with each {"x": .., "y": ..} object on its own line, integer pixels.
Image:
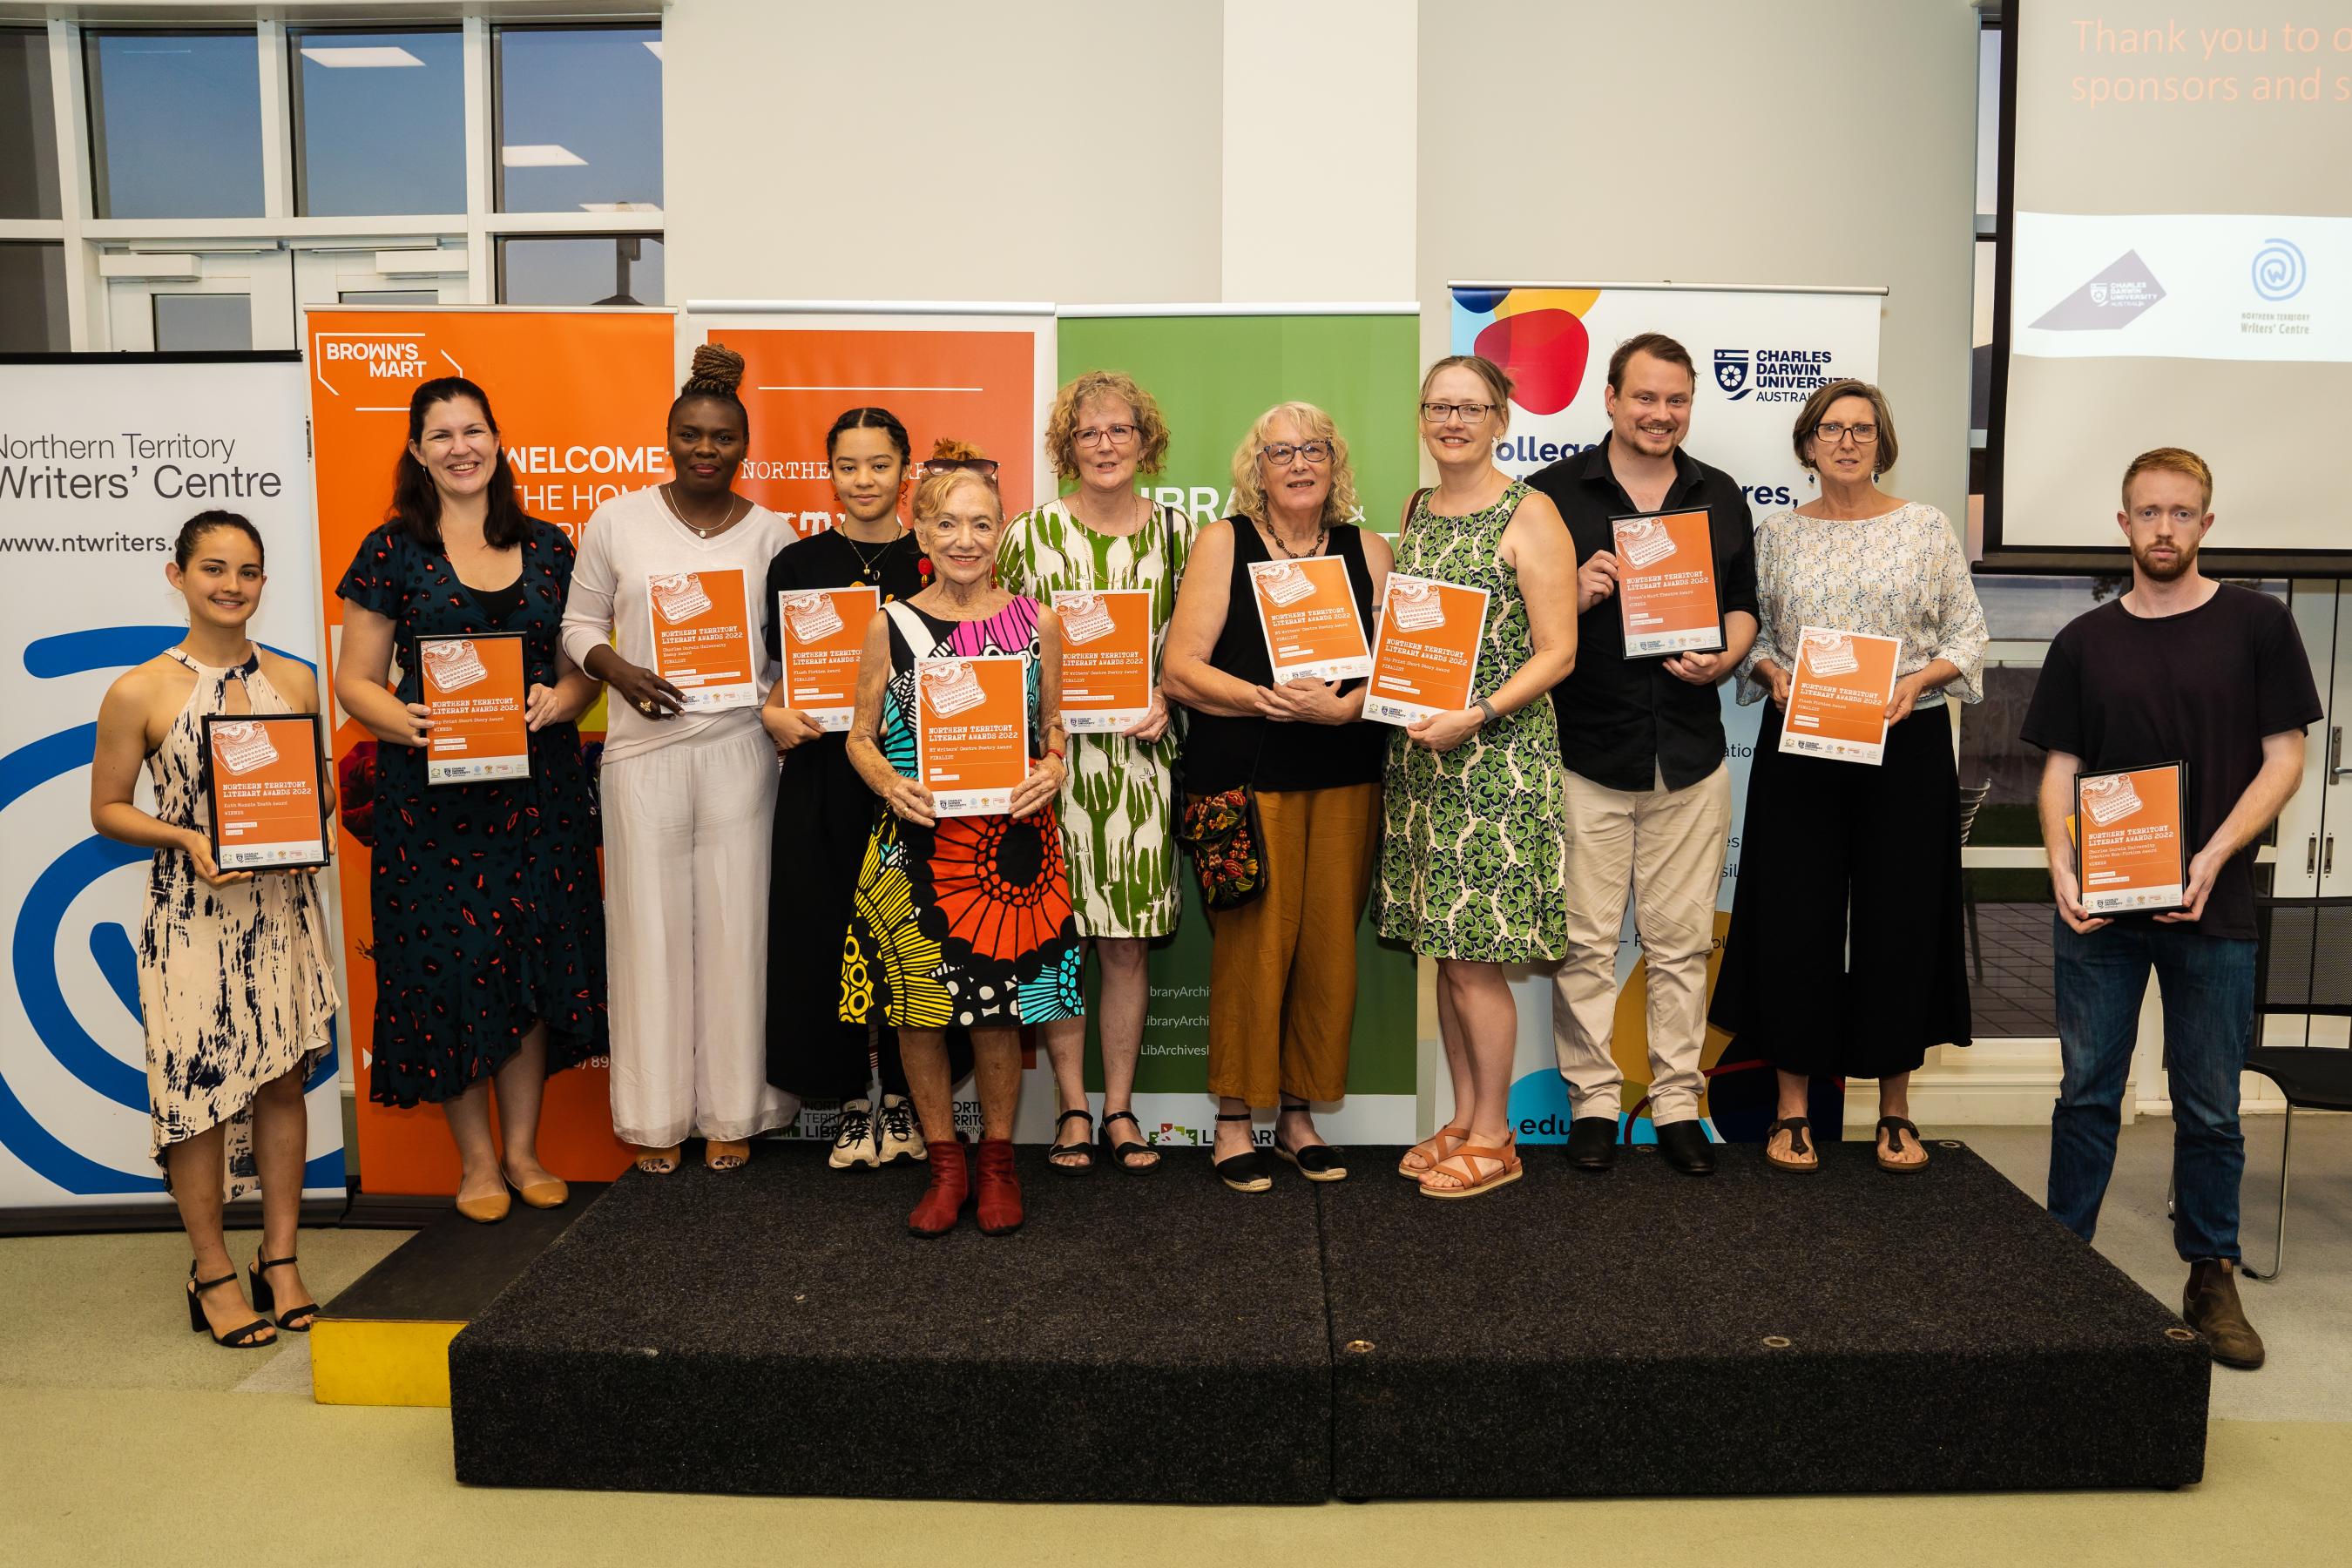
[{"x": 2278, "y": 1251}]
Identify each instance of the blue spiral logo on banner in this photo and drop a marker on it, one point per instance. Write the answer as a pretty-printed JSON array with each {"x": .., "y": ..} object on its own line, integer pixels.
[
  {"x": 2278, "y": 270},
  {"x": 72, "y": 1040}
]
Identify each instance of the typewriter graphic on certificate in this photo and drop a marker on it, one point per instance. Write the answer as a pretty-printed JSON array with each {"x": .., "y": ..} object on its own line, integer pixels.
[
  {"x": 1085, "y": 617},
  {"x": 2109, "y": 800},
  {"x": 1417, "y": 607},
  {"x": 680, "y": 597},
  {"x": 811, "y": 616},
  {"x": 1284, "y": 582},
  {"x": 1645, "y": 543},
  {"x": 1830, "y": 652},
  {"x": 244, "y": 747},
  {"x": 454, "y": 666},
  {"x": 951, "y": 686}
]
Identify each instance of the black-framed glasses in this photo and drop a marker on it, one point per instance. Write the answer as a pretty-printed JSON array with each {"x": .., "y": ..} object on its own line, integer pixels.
[
  {"x": 1282, "y": 453},
  {"x": 1471, "y": 413},
  {"x": 1117, "y": 434},
  {"x": 1830, "y": 435},
  {"x": 984, "y": 467}
]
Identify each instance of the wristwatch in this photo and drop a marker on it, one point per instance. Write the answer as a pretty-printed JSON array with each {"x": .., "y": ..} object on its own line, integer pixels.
[{"x": 1487, "y": 709}]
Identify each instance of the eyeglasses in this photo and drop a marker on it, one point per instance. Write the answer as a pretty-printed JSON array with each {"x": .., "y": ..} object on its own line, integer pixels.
[
  {"x": 1112, "y": 434},
  {"x": 984, "y": 467},
  {"x": 1830, "y": 435},
  {"x": 1282, "y": 452},
  {"x": 1471, "y": 413}
]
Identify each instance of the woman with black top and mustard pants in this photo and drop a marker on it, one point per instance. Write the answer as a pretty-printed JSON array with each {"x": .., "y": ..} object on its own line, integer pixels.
[{"x": 1282, "y": 977}]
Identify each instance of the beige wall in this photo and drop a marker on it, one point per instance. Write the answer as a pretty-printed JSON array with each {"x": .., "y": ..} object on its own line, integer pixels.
[
  {"x": 803, "y": 144},
  {"x": 1686, "y": 141}
]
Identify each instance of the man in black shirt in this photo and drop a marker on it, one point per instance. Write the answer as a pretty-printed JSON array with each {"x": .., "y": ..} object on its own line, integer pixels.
[
  {"x": 2183, "y": 670},
  {"x": 1648, "y": 794}
]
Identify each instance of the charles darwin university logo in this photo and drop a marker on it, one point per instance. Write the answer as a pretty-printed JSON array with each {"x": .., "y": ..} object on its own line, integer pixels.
[
  {"x": 1731, "y": 372},
  {"x": 1772, "y": 376},
  {"x": 2108, "y": 301}
]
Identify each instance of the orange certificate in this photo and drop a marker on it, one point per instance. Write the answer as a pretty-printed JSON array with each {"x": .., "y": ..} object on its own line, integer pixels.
[
  {"x": 1665, "y": 583},
  {"x": 821, "y": 635},
  {"x": 475, "y": 687},
  {"x": 1426, "y": 655},
  {"x": 2134, "y": 851},
  {"x": 705, "y": 642},
  {"x": 971, "y": 732},
  {"x": 1838, "y": 694},
  {"x": 1308, "y": 610},
  {"x": 267, "y": 811},
  {"x": 1105, "y": 657}
]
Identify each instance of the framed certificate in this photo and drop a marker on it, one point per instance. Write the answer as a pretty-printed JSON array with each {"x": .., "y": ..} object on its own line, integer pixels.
[
  {"x": 1425, "y": 655},
  {"x": 1665, "y": 583},
  {"x": 475, "y": 687},
  {"x": 820, "y": 637},
  {"x": 705, "y": 641},
  {"x": 1105, "y": 657},
  {"x": 1838, "y": 694},
  {"x": 971, "y": 732},
  {"x": 1307, "y": 610},
  {"x": 262, "y": 783},
  {"x": 2131, "y": 838}
]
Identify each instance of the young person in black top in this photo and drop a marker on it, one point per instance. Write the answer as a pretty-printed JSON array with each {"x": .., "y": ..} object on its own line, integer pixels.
[
  {"x": 824, "y": 813},
  {"x": 1649, "y": 793},
  {"x": 2181, "y": 668}
]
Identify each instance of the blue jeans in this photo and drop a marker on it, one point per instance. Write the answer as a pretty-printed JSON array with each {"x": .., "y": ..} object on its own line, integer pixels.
[{"x": 2206, "y": 986}]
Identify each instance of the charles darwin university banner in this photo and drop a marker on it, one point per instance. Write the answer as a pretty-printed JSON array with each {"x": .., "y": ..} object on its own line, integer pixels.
[{"x": 1759, "y": 353}]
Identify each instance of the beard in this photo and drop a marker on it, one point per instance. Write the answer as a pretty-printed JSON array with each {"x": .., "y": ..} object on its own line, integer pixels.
[{"x": 2184, "y": 557}]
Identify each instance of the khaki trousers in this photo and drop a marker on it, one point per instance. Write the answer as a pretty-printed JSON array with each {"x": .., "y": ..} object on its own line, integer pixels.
[
  {"x": 1666, "y": 847},
  {"x": 1282, "y": 968}
]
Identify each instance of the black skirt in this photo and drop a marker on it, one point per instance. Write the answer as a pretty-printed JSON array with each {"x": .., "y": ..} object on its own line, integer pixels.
[{"x": 1846, "y": 956}]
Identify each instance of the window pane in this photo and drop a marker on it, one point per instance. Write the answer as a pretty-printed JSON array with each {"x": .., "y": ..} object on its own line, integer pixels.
[
  {"x": 202, "y": 323},
  {"x": 600, "y": 270},
  {"x": 176, "y": 124},
  {"x": 28, "y": 128},
  {"x": 32, "y": 298},
  {"x": 389, "y": 296},
  {"x": 1989, "y": 121},
  {"x": 380, "y": 122},
  {"x": 1980, "y": 351},
  {"x": 579, "y": 120}
]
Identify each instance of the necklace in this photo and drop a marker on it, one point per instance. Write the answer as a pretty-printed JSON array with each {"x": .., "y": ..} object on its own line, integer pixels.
[
  {"x": 868, "y": 565},
  {"x": 701, "y": 532},
  {"x": 1322, "y": 537}
]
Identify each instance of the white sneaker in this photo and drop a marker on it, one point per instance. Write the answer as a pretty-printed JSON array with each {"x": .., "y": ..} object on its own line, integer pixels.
[
  {"x": 853, "y": 1137},
  {"x": 900, "y": 1138}
]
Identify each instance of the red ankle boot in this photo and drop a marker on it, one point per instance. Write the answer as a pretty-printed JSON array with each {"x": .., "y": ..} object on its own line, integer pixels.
[
  {"x": 943, "y": 1199},
  {"x": 999, "y": 1203}
]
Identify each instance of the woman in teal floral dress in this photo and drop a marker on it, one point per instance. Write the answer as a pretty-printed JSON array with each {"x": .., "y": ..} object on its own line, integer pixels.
[
  {"x": 1103, "y": 432},
  {"x": 1472, "y": 847}
]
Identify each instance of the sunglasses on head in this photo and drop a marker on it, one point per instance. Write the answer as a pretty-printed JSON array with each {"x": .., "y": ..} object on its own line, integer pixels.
[{"x": 984, "y": 467}]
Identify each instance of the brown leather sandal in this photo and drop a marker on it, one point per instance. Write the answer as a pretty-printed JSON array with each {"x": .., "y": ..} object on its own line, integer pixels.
[
  {"x": 1462, "y": 1166},
  {"x": 1433, "y": 1146},
  {"x": 725, "y": 1154},
  {"x": 1796, "y": 1128},
  {"x": 1894, "y": 1127}
]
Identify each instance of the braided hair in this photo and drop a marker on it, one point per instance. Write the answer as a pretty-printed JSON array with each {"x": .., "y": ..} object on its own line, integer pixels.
[
  {"x": 880, "y": 420},
  {"x": 714, "y": 374}
]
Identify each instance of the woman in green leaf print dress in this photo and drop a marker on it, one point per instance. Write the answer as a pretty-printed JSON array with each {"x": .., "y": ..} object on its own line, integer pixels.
[
  {"x": 1474, "y": 847},
  {"x": 1116, "y": 830}
]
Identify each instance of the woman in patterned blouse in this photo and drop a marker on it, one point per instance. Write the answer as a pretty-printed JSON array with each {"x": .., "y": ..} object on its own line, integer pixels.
[{"x": 1844, "y": 958}]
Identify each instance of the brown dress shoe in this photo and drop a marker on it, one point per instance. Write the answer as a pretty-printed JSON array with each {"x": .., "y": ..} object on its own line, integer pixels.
[{"x": 2209, "y": 1305}]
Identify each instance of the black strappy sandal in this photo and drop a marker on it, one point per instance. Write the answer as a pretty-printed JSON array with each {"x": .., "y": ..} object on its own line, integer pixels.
[
  {"x": 265, "y": 1296},
  {"x": 1316, "y": 1161},
  {"x": 235, "y": 1339},
  {"x": 1894, "y": 1127},
  {"x": 1796, "y": 1128},
  {"x": 1117, "y": 1152},
  {"x": 1244, "y": 1172},
  {"x": 1084, "y": 1145}
]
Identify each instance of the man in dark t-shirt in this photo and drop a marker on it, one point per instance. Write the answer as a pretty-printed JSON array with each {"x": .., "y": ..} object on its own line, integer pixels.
[{"x": 2184, "y": 670}]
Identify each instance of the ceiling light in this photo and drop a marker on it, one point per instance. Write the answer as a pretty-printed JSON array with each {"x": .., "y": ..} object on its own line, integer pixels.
[{"x": 358, "y": 57}]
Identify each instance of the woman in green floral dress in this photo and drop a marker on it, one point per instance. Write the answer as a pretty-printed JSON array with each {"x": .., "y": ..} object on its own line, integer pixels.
[
  {"x": 1103, "y": 432},
  {"x": 1473, "y": 847}
]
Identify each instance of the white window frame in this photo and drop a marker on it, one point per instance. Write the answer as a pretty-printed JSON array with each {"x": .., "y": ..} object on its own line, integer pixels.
[{"x": 85, "y": 236}]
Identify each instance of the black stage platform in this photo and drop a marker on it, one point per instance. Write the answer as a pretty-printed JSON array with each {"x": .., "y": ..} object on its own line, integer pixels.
[{"x": 1161, "y": 1339}]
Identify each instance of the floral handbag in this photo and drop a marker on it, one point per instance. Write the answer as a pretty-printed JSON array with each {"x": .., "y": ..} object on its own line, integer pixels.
[{"x": 1220, "y": 832}]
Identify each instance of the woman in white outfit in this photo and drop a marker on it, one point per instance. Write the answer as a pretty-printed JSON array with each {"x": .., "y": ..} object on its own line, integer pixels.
[{"x": 688, "y": 795}]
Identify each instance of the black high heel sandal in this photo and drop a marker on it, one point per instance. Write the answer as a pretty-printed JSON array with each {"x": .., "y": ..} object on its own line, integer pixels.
[
  {"x": 235, "y": 1339},
  {"x": 265, "y": 1294},
  {"x": 1117, "y": 1152},
  {"x": 1084, "y": 1145},
  {"x": 1246, "y": 1171}
]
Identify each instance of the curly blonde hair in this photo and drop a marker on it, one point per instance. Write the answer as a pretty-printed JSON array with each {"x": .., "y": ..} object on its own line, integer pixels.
[
  {"x": 1104, "y": 386},
  {"x": 1249, "y": 491}
]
